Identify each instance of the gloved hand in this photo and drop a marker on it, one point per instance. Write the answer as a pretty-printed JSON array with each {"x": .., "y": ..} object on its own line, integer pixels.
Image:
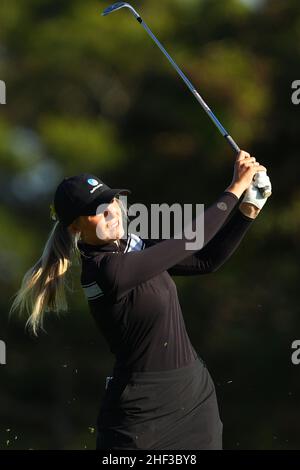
[
  {"x": 261, "y": 180},
  {"x": 253, "y": 194}
]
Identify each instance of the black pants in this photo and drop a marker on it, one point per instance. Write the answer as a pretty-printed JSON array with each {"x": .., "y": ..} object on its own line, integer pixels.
[{"x": 173, "y": 409}]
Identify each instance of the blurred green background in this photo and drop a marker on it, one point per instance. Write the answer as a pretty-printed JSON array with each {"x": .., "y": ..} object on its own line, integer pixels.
[{"x": 92, "y": 94}]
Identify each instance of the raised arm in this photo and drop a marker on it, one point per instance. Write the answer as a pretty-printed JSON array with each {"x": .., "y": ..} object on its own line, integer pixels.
[
  {"x": 217, "y": 251},
  {"x": 120, "y": 272}
]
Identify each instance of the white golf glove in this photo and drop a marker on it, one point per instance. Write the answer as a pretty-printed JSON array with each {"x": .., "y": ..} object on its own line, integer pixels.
[{"x": 254, "y": 194}]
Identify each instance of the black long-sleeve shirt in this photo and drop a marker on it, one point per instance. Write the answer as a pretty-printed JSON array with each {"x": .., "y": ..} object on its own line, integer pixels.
[{"x": 133, "y": 297}]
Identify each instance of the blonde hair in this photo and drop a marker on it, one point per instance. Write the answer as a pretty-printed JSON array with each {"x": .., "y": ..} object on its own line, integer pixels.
[{"x": 43, "y": 286}]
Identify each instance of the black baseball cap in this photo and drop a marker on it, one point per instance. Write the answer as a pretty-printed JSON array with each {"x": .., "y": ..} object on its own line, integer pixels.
[{"x": 81, "y": 195}]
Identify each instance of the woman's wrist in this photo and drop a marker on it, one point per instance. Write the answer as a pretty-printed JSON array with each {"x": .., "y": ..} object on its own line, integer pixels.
[
  {"x": 249, "y": 210},
  {"x": 236, "y": 189}
]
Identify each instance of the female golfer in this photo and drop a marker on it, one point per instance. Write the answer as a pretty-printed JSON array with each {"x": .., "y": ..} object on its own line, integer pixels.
[{"x": 160, "y": 394}]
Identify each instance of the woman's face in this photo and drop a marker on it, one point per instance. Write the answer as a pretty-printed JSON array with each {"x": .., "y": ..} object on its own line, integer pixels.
[{"x": 106, "y": 226}]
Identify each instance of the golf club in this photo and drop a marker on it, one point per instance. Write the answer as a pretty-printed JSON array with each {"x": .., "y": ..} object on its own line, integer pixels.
[{"x": 265, "y": 191}]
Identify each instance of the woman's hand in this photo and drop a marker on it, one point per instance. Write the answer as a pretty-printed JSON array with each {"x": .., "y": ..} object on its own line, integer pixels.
[
  {"x": 253, "y": 200},
  {"x": 245, "y": 168}
]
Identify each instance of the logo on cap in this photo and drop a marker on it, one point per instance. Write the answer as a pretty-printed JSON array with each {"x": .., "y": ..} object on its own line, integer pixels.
[{"x": 92, "y": 182}]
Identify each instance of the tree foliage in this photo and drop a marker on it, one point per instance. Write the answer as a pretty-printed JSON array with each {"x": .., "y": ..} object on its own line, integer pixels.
[{"x": 92, "y": 94}]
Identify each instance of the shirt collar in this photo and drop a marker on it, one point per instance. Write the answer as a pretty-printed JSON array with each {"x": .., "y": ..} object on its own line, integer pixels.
[{"x": 132, "y": 243}]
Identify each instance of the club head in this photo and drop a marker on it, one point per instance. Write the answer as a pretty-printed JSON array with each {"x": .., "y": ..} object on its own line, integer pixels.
[
  {"x": 114, "y": 7},
  {"x": 118, "y": 6}
]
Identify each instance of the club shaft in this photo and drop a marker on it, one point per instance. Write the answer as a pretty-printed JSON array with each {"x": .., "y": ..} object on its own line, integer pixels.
[
  {"x": 199, "y": 98},
  {"x": 265, "y": 191}
]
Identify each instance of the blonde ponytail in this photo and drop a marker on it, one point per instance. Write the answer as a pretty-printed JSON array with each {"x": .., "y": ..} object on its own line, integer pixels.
[{"x": 43, "y": 286}]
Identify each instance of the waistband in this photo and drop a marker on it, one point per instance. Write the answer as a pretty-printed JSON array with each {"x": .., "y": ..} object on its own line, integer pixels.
[{"x": 160, "y": 375}]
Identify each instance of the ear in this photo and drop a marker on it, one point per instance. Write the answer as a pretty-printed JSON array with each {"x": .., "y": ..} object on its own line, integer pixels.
[{"x": 74, "y": 227}]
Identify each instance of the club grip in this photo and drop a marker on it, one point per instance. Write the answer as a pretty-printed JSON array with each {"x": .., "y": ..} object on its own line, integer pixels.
[{"x": 266, "y": 190}]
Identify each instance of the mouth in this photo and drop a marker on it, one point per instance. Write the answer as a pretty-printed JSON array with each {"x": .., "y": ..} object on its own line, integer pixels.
[{"x": 114, "y": 224}]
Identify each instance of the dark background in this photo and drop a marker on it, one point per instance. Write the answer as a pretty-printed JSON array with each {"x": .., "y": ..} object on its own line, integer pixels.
[{"x": 92, "y": 94}]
